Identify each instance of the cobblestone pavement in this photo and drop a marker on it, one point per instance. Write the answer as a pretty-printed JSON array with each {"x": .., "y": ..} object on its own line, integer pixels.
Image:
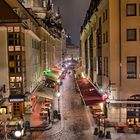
[
  {"x": 77, "y": 123},
  {"x": 74, "y": 124}
]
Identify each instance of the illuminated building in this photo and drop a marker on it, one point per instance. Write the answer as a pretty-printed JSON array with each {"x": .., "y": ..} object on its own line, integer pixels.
[
  {"x": 110, "y": 56},
  {"x": 27, "y": 47}
]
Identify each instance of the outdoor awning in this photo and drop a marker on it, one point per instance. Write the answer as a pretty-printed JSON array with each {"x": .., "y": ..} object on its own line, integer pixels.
[
  {"x": 56, "y": 69},
  {"x": 89, "y": 93},
  {"x": 123, "y": 102},
  {"x": 45, "y": 92},
  {"x": 52, "y": 75}
]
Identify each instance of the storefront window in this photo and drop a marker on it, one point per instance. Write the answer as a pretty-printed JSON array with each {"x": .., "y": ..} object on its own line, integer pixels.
[{"x": 3, "y": 110}]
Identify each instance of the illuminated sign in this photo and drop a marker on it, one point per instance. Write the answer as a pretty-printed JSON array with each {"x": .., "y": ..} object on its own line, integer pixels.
[
  {"x": 105, "y": 96},
  {"x": 17, "y": 100}
]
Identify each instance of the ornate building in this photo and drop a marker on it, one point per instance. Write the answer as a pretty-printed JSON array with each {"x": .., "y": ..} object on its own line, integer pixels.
[{"x": 28, "y": 46}]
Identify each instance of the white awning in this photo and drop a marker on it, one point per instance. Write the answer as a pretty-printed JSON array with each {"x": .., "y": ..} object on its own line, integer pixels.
[
  {"x": 123, "y": 102},
  {"x": 45, "y": 93}
]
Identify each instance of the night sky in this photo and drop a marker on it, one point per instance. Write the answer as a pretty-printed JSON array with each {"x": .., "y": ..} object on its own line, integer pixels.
[{"x": 73, "y": 14}]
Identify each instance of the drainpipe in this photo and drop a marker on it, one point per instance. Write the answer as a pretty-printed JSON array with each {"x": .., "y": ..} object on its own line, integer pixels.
[{"x": 120, "y": 57}]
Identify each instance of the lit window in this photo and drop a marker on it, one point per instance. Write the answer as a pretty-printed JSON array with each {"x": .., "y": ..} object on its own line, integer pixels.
[
  {"x": 12, "y": 85},
  {"x": 23, "y": 49},
  {"x": 18, "y": 79},
  {"x": 3, "y": 110},
  {"x": 11, "y": 48},
  {"x": 16, "y": 29},
  {"x": 18, "y": 57},
  {"x": 10, "y": 29},
  {"x": 131, "y": 10},
  {"x": 17, "y": 48},
  {"x": 131, "y": 34},
  {"x": 12, "y": 64},
  {"x": 12, "y": 79},
  {"x": 18, "y": 70}
]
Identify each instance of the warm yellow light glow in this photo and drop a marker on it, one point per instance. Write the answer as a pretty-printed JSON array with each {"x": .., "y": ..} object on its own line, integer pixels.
[
  {"x": 101, "y": 106},
  {"x": 82, "y": 74},
  {"x": 58, "y": 94}
]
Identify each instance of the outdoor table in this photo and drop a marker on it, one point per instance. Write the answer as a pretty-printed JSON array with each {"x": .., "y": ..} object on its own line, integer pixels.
[
  {"x": 136, "y": 128},
  {"x": 120, "y": 127}
]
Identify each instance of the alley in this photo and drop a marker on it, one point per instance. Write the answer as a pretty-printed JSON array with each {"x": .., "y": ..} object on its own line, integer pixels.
[{"x": 74, "y": 124}]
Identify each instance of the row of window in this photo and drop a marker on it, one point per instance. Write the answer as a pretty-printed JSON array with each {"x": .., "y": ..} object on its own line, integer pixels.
[
  {"x": 131, "y": 66},
  {"x": 16, "y": 48},
  {"x": 131, "y": 35},
  {"x": 15, "y": 39},
  {"x": 16, "y": 62},
  {"x": 16, "y": 79},
  {"x": 131, "y": 10}
]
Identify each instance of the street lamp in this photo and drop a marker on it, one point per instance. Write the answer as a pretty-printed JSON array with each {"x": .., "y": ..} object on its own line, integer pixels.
[
  {"x": 19, "y": 132},
  {"x": 58, "y": 96}
]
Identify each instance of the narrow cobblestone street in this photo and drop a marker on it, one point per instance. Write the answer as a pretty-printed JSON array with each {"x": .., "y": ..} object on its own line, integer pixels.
[
  {"x": 74, "y": 124},
  {"x": 76, "y": 121}
]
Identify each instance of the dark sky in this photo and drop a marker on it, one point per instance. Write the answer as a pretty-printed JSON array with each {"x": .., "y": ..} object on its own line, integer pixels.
[{"x": 73, "y": 13}]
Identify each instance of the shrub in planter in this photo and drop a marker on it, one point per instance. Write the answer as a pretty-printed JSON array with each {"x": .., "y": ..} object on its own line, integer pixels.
[
  {"x": 108, "y": 135},
  {"x": 96, "y": 131},
  {"x": 101, "y": 135}
]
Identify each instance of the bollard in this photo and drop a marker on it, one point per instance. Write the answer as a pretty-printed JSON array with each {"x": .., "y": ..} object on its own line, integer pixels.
[
  {"x": 108, "y": 135},
  {"x": 96, "y": 131},
  {"x": 101, "y": 135}
]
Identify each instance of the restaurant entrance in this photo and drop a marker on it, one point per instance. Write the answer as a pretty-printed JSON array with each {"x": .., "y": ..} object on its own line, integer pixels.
[
  {"x": 133, "y": 115},
  {"x": 133, "y": 110}
]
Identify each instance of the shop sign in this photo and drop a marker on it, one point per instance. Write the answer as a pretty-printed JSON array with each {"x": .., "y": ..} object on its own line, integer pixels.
[{"x": 17, "y": 100}]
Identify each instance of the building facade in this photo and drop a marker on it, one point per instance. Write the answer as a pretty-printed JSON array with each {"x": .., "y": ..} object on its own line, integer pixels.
[
  {"x": 110, "y": 55},
  {"x": 28, "y": 47}
]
